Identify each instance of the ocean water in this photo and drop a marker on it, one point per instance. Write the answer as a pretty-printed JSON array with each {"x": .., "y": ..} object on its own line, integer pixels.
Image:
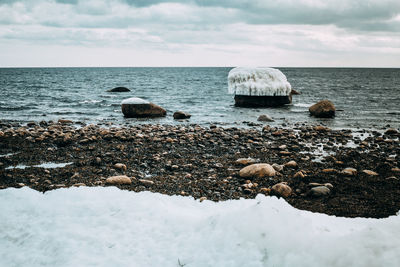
[{"x": 365, "y": 98}]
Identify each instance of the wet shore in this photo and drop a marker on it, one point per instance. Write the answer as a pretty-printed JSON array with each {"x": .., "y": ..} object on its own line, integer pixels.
[{"x": 360, "y": 169}]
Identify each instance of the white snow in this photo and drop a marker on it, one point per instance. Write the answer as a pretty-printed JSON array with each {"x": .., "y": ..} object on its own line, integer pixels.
[
  {"x": 258, "y": 82},
  {"x": 109, "y": 227},
  {"x": 134, "y": 101},
  {"x": 46, "y": 165}
]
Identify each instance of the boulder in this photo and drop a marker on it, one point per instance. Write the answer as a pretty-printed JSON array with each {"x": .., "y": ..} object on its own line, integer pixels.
[
  {"x": 119, "y": 89},
  {"x": 257, "y": 170},
  {"x": 180, "y": 115},
  {"x": 265, "y": 118},
  {"x": 323, "y": 109},
  {"x": 139, "y": 108}
]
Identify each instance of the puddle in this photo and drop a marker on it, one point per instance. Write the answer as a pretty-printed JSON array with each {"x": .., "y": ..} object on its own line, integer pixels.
[{"x": 46, "y": 165}]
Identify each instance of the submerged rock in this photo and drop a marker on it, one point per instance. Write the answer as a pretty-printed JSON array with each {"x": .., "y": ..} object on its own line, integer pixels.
[
  {"x": 119, "y": 89},
  {"x": 139, "y": 108},
  {"x": 323, "y": 109}
]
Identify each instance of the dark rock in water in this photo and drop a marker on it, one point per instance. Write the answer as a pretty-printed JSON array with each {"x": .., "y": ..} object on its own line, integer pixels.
[
  {"x": 265, "y": 118},
  {"x": 323, "y": 109},
  {"x": 294, "y": 92},
  {"x": 180, "y": 115},
  {"x": 391, "y": 131},
  {"x": 119, "y": 89},
  {"x": 261, "y": 101},
  {"x": 139, "y": 108}
]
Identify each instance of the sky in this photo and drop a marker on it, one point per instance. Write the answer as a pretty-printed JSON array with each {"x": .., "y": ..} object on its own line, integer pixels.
[{"x": 280, "y": 33}]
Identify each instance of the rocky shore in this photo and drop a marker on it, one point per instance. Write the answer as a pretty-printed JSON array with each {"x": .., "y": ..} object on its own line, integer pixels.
[{"x": 337, "y": 172}]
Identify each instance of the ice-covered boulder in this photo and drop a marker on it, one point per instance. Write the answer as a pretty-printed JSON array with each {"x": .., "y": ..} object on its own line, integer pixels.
[
  {"x": 135, "y": 107},
  {"x": 259, "y": 87}
]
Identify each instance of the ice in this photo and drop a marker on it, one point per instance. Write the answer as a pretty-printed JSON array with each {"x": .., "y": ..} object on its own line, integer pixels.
[
  {"x": 258, "y": 82},
  {"x": 46, "y": 165},
  {"x": 96, "y": 226},
  {"x": 134, "y": 100}
]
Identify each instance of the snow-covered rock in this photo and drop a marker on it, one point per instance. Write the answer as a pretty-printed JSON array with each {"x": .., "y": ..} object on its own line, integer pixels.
[
  {"x": 96, "y": 226},
  {"x": 258, "y": 82}
]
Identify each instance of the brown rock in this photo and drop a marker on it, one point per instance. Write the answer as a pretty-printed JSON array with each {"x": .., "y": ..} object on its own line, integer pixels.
[
  {"x": 371, "y": 173},
  {"x": 120, "y": 166},
  {"x": 323, "y": 109},
  {"x": 245, "y": 161},
  {"x": 265, "y": 118},
  {"x": 265, "y": 191},
  {"x": 281, "y": 189},
  {"x": 349, "y": 171},
  {"x": 395, "y": 169},
  {"x": 299, "y": 174},
  {"x": 294, "y": 92},
  {"x": 321, "y": 128},
  {"x": 291, "y": 164},
  {"x": 257, "y": 170},
  {"x": 62, "y": 121},
  {"x": 202, "y": 199},
  {"x": 140, "y": 108},
  {"x": 146, "y": 182},
  {"x": 329, "y": 171},
  {"x": 320, "y": 191},
  {"x": 120, "y": 179},
  {"x": 391, "y": 131}
]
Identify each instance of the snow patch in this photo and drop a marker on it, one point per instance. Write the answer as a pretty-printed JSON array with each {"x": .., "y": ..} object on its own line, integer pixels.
[
  {"x": 258, "y": 82},
  {"x": 95, "y": 226},
  {"x": 135, "y": 101}
]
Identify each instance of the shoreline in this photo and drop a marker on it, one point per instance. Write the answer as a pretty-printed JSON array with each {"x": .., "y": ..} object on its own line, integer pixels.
[{"x": 198, "y": 161}]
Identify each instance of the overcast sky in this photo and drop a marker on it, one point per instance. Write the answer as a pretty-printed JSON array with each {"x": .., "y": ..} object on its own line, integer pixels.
[{"x": 327, "y": 33}]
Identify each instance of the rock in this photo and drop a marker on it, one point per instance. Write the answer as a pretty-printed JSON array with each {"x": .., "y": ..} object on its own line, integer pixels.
[
  {"x": 245, "y": 161},
  {"x": 349, "y": 171},
  {"x": 277, "y": 167},
  {"x": 299, "y": 174},
  {"x": 391, "y": 131},
  {"x": 257, "y": 170},
  {"x": 329, "y": 171},
  {"x": 281, "y": 189},
  {"x": 321, "y": 128},
  {"x": 120, "y": 166},
  {"x": 119, "y": 89},
  {"x": 180, "y": 115},
  {"x": 265, "y": 118},
  {"x": 202, "y": 199},
  {"x": 79, "y": 184},
  {"x": 63, "y": 121},
  {"x": 291, "y": 164},
  {"x": 294, "y": 92},
  {"x": 265, "y": 191},
  {"x": 146, "y": 182},
  {"x": 139, "y": 108},
  {"x": 320, "y": 191},
  {"x": 395, "y": 169},
  {"x": 371, "y": 173},
  {"x": 329, "y": 185},
  {"x": 120, "y": 179},
  {"x": 323, "y": 109}
]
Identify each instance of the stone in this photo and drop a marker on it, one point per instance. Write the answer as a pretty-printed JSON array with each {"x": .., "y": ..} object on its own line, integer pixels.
[
  {"x": 329, "y": 171},
  {"x": 281, "y": 189},
  {"x": 79, "y": 184},
  {"x": 64, "y": 121},
  {"x": 277, "y": 167},
  {"x": 294, "y": 92},
  {"x": 257, "y": 170},
  {"x": 202, "y": 199},
  {"x": 291, "y": 164},
  {"x": 146, "y": 182},
  {"x": 320, "y": 191},
  {"x": 139, "y": 108},
  {"x": 180, "y": 115},
  {"x": 119, "y": 89},
  {"x": 265, "y": 191},
  {"x": 120, "y": 166},
  {"x": 299, "y": 174},
  {"x": 391, "y": 131},
  {"x": 349, "y": 171},
  {"x": 371, "y": 173},
  {"x": 321, "y": 128},
  {"x": 265, "y": 118},
  {"x": 323, "y": 109},
  {"x": 245, "y": 161},
  {"x": 395, "y": 169},
  {"x": 120, "y": 179}
]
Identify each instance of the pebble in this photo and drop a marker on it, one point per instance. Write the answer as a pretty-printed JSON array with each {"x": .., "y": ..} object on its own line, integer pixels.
[
  {"x": 349, "y": 171},
  {"x": 320, "y": 191},
  {"x": 265, "y": 118},
  {"x": 281, "y": 189},
  {"x": 120, "y": 166},
  {"x": 245, "y": 161},
  {"x": 265, "y": 191},
  {"x": 79, "y": 184},
  {"x": 371, "y": 173},
  {"x": 291, "y": 164},
  {"x": 202, "y": 199},
  {"x": 329, "y": 171},
  {"x": 119, "y": 179},
  {"x": 257, "y": 170},
  {"x": 277, "y": 167},
  {"x": 146, "y": 182},
  {"x": 299, "y": 174}
]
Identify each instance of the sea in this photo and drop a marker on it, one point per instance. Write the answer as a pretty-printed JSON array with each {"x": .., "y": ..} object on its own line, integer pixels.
[{"x": 366, "y": 98}]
